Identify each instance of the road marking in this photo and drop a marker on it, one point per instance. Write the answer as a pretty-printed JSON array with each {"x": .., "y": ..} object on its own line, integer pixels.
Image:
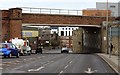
[
  {"x": 66, "y": 67},
  {"x": 61, "y": 72},
  {"x": 89, "y": 71},
  {"x": 46, "y": 64},
  {"x": 7, "y": 62},
  {"x": 71, "y": 62},
  {"x": 36, "y": 69}
]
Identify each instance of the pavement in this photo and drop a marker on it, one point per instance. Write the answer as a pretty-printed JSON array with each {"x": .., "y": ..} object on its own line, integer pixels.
[{"x": 113, "y": 61}]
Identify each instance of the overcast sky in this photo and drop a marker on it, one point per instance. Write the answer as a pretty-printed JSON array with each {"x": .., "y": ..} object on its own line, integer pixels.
[{"x": 58, "y": 4}]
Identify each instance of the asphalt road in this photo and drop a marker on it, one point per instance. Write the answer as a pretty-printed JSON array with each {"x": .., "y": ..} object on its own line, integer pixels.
[{"x": 56, "y": 62}]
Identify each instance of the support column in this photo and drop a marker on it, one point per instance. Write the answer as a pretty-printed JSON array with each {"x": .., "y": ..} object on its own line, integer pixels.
[{"x": 15, "y": 23}]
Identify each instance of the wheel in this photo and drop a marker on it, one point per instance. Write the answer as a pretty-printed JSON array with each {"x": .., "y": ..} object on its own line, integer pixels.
[
  {"x": 18, "y": 55},
  {"x": 21, "y": 54},
  {"x": 4, "y": 56},
  {"x": 10, "y": 55},
  {"x": 29, "y": 53}
]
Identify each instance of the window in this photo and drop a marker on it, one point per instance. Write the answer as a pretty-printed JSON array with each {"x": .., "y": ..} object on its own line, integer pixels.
[
  {"x": 69, "y": 33},
  {"x": 112, "y": 6},
  {"x": 62, "y": 33},
  {"x": 66, "y": 33}
]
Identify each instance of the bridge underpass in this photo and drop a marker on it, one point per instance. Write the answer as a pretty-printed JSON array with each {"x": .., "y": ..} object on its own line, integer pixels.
[
  {"x": 91, "y": 40},
  {"x": 91, "y": 36}
]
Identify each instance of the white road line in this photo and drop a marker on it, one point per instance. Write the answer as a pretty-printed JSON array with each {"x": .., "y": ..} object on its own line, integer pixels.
[
  {"x": 61, "y": 72},
  {"x": 36, "y": 69},
  {"x": 46, "y": 64},
  {"x": 71, "y": 62},
  {"x": 66, "y": 67}
]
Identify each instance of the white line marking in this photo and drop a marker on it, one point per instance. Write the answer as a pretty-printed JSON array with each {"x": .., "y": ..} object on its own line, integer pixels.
[
  {"x": 66, "y": 67},
  {"x": 71, "y": 61},
  {"x": 46, "y": 64},
  {"x": 40, "y": 68},
  {"x": 36, "y": 69},
  {"x": 61, "y": 72}
]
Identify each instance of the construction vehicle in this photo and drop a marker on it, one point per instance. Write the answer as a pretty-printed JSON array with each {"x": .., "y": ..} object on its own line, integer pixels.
[{"x": 22, "y": 45}]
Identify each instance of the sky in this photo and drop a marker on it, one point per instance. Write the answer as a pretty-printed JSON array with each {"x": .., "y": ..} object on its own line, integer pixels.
[{"x": 57, "y": 4}]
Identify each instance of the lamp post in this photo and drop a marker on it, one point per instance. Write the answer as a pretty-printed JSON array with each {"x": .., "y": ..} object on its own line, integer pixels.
[{"x": 107, "y": 27}]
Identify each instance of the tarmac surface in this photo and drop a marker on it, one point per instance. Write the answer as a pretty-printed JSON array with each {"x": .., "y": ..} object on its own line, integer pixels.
[{"x": 54, "y": 62}]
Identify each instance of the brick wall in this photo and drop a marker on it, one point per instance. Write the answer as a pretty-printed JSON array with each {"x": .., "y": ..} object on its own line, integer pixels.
[
  {"x": 77, "y": 41},
  {"x": 13, "y": 19},
  {"x": 11, "y": 23},
  {"x": 96, "y": 13},
  {"x": 62, "y": 19}
]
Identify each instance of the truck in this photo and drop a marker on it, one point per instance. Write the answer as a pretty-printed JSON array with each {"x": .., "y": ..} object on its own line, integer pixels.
[{"x": 22, "y": 45}]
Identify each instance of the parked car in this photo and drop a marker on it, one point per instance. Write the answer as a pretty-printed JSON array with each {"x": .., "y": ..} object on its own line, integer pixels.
[
  {"x": 64, "y": 50},
  {"x": 9, "y": 49}
]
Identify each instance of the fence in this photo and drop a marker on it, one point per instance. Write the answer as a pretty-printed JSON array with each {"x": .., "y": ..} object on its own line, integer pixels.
[{"x": 51, "y": 11}]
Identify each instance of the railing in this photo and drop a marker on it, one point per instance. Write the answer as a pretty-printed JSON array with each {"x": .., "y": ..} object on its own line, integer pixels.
[{"x": 51, "y": 11}]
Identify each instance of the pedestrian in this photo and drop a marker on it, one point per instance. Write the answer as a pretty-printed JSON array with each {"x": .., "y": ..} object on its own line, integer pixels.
[{"x": 111, "y": 47}]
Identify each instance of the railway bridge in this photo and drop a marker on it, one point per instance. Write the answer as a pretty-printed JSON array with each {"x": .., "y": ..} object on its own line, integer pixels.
[{"x": 14, "y": 18}]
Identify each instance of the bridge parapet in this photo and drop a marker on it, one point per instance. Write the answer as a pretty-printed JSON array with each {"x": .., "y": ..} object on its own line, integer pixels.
[{"x": 51, "y": 11}]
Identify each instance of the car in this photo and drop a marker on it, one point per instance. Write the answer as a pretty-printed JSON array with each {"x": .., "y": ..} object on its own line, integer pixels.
[
  {"x": 64, "y": 50},
  {"x": 9, "y": 50}
]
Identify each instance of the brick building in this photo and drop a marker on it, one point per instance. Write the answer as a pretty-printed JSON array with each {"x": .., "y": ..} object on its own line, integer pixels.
[{"x": 95, "y": 12}]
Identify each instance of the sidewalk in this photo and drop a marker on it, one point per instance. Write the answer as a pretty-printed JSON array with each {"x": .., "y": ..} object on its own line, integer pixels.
[{"x": 113, "y": 61}]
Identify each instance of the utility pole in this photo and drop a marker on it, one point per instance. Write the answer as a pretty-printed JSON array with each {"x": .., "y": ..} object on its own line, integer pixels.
[{"x": 107, "y": 45}]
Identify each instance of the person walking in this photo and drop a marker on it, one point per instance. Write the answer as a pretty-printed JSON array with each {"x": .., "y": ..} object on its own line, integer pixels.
[{"x": 111, "y": 49}]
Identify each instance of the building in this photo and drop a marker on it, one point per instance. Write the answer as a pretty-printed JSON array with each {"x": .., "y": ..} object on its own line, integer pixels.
[
  {"x": 114, "y": 7},
  {"x": 66, "y": 31},
  {"x": 54, "y": 29},
  {"x": 95, "y": 12},
  {"x": 65, "y": 34}
]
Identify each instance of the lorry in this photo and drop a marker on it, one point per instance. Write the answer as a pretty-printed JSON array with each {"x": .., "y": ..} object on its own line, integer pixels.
[{"x": 22, "y": 45}]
